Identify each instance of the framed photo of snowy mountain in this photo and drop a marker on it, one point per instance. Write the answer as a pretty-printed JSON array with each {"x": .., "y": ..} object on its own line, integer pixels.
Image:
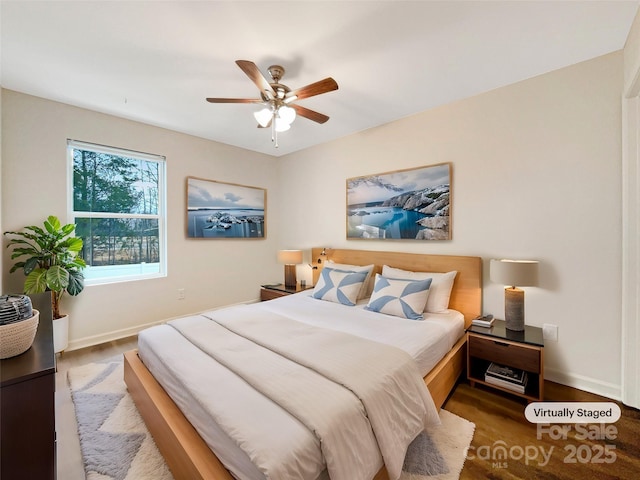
[
  {"x": 405, "y": 204},
  {"x": 225, "y": 210}
]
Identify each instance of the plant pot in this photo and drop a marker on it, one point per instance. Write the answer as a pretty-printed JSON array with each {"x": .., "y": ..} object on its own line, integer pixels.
[
  {"x": 60, "y": 334},
  {"x": 17, "y": 337}
]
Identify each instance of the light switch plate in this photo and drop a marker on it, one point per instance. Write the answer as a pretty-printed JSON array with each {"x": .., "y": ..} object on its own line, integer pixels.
[{"x": 550, "y": 332}]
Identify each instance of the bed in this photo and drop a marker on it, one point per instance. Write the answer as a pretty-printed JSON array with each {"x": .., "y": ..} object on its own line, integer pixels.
[{"x": 184, "y": 449}]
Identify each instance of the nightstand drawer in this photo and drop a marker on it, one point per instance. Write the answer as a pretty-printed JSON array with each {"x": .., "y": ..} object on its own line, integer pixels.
[
  {"x": 266, "y": 294},
  {"x": 269, "y": 292},
  {"x": 505, "y": 353}
]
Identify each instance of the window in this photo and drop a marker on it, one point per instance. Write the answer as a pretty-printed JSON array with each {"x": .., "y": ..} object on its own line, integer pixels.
[{"x": 118, "y": 204}]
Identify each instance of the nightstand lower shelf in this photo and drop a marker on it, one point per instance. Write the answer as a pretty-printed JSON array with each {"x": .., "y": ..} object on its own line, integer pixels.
[
  {"x": 517, "y": 350},
  {"x": 531, "y": 391}
]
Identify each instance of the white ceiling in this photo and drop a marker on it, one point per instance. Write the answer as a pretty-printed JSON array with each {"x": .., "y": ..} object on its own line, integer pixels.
[{"x": 156, "y": 61}]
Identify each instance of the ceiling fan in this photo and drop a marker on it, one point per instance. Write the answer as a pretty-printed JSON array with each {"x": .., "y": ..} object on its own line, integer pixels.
[{"x": 279, "y": 108}]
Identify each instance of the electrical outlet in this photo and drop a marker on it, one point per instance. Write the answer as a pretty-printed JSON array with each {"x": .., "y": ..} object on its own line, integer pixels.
[
  {"x": 550, "y": 332},
  {"x": 181, "y": 294}
]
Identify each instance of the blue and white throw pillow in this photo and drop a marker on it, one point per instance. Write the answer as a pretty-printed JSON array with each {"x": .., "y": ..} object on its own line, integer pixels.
[
  {"x": 399, "y": 297},
  {"x": 339, "y": 286},
  {"x": 439, "y": 291}
]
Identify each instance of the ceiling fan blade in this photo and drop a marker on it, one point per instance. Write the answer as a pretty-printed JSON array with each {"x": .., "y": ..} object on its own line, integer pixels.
[
  {"x": 253, "y": 72},
  {"x": 310, "y": 114},
  {"x": 235, "y": 100},
  {"x": 317, "y": 88}
]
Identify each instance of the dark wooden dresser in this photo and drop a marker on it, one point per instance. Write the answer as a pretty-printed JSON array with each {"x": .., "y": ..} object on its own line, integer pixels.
[{"x": 27, "y": 409}]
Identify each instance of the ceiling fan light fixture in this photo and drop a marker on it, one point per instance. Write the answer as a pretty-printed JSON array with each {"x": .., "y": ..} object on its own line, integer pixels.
[
  {"x": 282, "y": 126},
  {"x": 275, "y": 98},
  {"x": 263, "y": 116},
  {"x": 287, "y": 114}
]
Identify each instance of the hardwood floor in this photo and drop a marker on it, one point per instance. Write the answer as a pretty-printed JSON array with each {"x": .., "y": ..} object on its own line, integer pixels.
[
  {"x": 500, "y": 421},
  {"x": 498, "y": 418}
]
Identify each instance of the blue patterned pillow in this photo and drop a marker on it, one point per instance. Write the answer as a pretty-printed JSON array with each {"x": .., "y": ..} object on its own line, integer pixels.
[
  {"x": 398, "y": 297},
  {"x": 339, "y": 286}
]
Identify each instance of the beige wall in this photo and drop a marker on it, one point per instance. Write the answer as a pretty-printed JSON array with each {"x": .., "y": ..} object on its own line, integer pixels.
[
  {"x": 631, "y": 219},
  {"x": 1, "y": 228},
  {"x": 536, "y": 175},
  {"x": 632, "y": 55},
  {"x": 1, "y": 217},
  {"x": 212, "y": 272}
]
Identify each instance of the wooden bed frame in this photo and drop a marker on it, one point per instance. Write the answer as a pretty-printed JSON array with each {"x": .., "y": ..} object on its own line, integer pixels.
[{"x": 189, "y": 457}]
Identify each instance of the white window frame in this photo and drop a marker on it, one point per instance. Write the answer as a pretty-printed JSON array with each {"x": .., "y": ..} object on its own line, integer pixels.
[{"x": 161, "y": 216}]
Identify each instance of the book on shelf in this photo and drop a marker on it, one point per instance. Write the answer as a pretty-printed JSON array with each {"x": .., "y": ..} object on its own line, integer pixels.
[
  {"x": 515, "y": 387},
  {"x": 509, "y": 374}
]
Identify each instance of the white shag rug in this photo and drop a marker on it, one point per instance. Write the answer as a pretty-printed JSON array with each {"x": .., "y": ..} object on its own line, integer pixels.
[{"x": 116, "y": 444}]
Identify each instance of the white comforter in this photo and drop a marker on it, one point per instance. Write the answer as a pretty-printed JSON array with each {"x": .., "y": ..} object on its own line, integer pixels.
[
  {"x": 390, "y": 429},
  {"x": 427, "y": 341}
]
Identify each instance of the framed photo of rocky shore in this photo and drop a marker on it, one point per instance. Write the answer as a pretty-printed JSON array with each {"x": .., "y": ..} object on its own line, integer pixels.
[
  {"x": 404, "y": 204},
  {"x": 225, "y": 210}
]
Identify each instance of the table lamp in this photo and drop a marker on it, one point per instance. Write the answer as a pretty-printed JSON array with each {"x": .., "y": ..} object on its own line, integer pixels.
[
  {"x": 513, "y": 273},
  {"x": 290, "y": 258}
]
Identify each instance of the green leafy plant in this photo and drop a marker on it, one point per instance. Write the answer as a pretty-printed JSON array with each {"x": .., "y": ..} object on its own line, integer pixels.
[{"x": 49, "y": 259}]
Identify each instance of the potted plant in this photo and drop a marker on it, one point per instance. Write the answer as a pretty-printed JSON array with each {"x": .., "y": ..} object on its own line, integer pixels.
[{"x": 49, "y": 258}]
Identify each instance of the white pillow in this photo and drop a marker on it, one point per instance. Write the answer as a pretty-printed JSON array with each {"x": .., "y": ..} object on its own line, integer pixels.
[
  {"x": 440, "y": 289},
  {"x": 338, "y": 286},
  {"x": 364, "y": 290},
  {"x": 401, "y": 298}
]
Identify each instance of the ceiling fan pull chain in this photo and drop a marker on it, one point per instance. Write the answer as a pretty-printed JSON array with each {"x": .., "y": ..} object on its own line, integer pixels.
[{"x": 274, "y": 132}]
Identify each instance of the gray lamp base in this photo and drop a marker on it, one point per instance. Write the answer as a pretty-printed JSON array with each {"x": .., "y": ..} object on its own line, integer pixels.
[{"x": 514, "y": 309}]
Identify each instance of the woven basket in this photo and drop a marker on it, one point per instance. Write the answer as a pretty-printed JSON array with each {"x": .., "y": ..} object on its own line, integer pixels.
[{"x": 17, "y": 337}]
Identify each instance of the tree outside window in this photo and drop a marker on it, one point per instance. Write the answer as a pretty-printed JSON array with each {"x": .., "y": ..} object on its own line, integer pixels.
[{"x": 118, "y": 205}]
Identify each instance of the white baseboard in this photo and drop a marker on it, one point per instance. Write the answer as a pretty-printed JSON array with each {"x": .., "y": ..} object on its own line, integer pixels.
[
  {"x": 109, "y": 336},
  {"x": 588, "y": 384},
  {"x": 129, "y": 332}
]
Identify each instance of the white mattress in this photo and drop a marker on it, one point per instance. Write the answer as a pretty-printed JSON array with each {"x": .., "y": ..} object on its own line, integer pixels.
[{"x": 181, "y": 368}]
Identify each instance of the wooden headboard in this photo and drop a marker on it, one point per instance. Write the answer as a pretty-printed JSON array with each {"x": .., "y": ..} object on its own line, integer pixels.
[{"x": 466, "y": 296}]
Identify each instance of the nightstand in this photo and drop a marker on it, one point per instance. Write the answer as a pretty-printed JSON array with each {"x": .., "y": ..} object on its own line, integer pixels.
[
  {"x": 520, "y": 350},
  {"x": 269, "y": 292}
]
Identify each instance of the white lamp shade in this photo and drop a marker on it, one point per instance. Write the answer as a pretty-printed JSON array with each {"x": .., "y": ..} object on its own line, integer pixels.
[
  {"x": 264, "y": 116},
  {"x": 281, "y": 126},
  {"x": 287, "y": 114},
  {"x": 290, "y": 257},
  {"x": 515, "y": 273}
]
